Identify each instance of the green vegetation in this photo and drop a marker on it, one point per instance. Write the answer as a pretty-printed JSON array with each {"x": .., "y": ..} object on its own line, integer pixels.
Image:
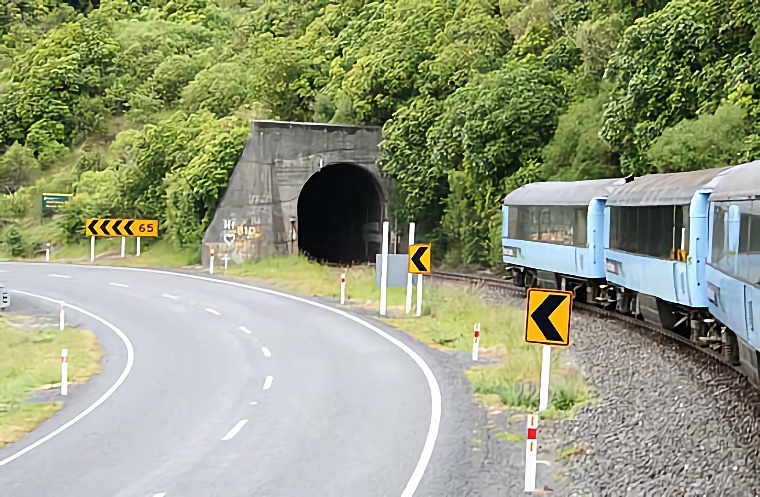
[
  {"x": 142, "y": 108},
  {"x": 31, "y": 361},
  {"x": 449, "y": 313}
]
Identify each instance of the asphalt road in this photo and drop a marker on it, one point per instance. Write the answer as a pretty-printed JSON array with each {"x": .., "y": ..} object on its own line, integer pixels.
[{"x": 211, "y": 389}]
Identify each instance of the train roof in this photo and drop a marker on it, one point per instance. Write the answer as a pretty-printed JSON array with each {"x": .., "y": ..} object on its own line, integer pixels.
[
  {"x": 738, "y": 183},
  {"x": 577, "y": 193},
  {"x": 663, "y": 189}
]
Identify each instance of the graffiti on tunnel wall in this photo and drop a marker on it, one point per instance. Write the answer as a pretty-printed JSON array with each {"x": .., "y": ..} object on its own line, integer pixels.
[{"x": 241, "y": 238}]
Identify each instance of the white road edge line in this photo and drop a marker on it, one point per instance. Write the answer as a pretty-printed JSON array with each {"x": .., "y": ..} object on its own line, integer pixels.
[
  {"x": 266, "y": 352},
  {"x": 173, "y": 297},
  {"x": 435, "y": 390},
  {"x": 268, "y": 383},
  {"x": 212, "y": 311},
  {"x": 122, "y": 285},
  {"x": 234, "y": 431},
  {"x": 94, "y": 405},
  {"x": 245, "y": 330},
  {"x": 59, "y": 276}
]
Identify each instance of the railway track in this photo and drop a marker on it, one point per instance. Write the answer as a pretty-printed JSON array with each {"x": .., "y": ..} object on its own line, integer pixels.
[{"x": 506, "y": 289}]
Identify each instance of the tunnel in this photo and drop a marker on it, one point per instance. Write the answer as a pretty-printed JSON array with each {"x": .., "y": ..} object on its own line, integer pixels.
[{"x": 339, "y": 215}]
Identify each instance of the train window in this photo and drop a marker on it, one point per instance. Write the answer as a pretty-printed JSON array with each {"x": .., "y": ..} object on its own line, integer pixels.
[
  {"x": 745, "y": 264},
  {"x": 656, "y": 231},
  {"x": 748, "y": 263},
  {"x": 581, "y": 227},
  {"x": 550, "y": 224},
  {"x": 719, "y": 234}
]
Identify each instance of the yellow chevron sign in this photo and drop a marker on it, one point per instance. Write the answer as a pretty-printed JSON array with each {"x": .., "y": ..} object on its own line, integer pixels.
[{"x": 121, "y": 227}]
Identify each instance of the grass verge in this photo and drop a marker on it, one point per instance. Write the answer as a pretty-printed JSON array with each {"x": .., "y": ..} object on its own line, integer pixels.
[{"x": 31, "y": 361}]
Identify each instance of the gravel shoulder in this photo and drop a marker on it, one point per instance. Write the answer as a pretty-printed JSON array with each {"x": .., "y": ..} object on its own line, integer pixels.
[{"x": 664, "y": 421}]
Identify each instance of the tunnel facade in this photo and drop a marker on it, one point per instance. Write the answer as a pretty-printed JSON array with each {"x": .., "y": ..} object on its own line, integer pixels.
[{"x": 302, "y": 188}]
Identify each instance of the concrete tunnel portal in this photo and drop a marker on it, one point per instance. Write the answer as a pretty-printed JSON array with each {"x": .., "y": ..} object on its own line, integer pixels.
[
  {"x": 339, "y": 213},
  {"x": 308, "y": 188}
]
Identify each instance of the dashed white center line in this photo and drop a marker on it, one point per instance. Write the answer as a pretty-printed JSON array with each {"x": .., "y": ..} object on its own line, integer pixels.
[
  {"x": 212, "y": 311},
  {"x": 159, "y": 495},
  {"x": 173, "y": 297},
  {"x": 266, "y": 352},
  {"x": 59, "y": 276},
  {"x": 245, "y": 330},
  {"x": 122, "y": 285},
  {"x": 267, "y": 383},
  {"x": 234, "y": 431},
  {"x": 254, "y": 403}
]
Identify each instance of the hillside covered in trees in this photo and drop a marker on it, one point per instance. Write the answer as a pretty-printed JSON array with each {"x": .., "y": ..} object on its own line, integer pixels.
[{"x": 141, "y": 108}]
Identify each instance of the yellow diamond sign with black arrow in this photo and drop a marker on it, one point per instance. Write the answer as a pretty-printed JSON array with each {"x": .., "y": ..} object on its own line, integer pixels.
[
  {"x": 419, "y": 258},
  {"x": 548, "y": 317}
]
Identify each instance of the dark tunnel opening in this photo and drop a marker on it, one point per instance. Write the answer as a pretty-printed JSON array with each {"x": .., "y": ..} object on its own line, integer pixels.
[{"x": 339, "y": 215}]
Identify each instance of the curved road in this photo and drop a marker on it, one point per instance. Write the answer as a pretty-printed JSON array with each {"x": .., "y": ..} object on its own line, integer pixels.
[{"x": 226, "y": 391}]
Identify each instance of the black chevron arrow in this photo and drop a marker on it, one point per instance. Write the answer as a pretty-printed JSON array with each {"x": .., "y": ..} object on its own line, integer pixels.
[
  {"x": 104, "y": 227},
  {"x": 543, "y": 312},
  {"x": 416, "y": 259},
  {"x": 115, "y": 228},
  {"x": 128, "y": 227},
  {"x": 91, "y": 226}
]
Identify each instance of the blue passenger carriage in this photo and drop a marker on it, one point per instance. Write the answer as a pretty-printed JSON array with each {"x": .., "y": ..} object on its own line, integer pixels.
[
  {"x": 733, "y": 268},
  {"x": 552, "y": 235},
  {"x": 656, "y": 245}
]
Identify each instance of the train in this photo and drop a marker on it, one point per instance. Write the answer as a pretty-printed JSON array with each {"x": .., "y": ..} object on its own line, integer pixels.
[{"x": 678, "y": 250}]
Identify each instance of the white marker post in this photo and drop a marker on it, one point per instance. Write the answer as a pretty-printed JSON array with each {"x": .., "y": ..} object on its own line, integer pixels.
[
  {"x": 419, "y": 295},
  {"x": 225, "y": 259},
  {"x": 47, "y": 252},
  {"x": 409, "y": 276},
  {"x": 211, "y": 263},
  {"x": 123, "y": 246},
  {"x": 384, "y": 270},
  {"x": 342, "y": 288},
  {"x": 138, "y": 247},
  {"x": 64, "y": 371},
  {"x": 92, "y": 249},
  {"x": 531, "y": 449},
  {"x": 546, "y": 363},
  {"x": 61, "y": 319},
  {"x": 476, "y": 343}
]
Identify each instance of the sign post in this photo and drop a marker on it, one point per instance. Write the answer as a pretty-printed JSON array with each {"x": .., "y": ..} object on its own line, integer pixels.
[
  {"x": 419, "y": 264},
  {"x": 123, "y": 246},
  {"x": 137, "y": 252},
  {"x": 547, "y": 322},
  {"x": 384, "y": 271},
  {"x": 92, "y": 249},
  {"x": 410, "y": 276}
]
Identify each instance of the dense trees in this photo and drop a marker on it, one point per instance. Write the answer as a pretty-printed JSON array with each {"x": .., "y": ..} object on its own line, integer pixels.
[{"x": 142, "y": 108}]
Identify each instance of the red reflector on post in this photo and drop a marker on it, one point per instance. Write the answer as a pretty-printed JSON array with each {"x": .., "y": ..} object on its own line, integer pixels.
[
  {"x": 532, "y": 433},
  {"x": 477, "y": 334}
]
